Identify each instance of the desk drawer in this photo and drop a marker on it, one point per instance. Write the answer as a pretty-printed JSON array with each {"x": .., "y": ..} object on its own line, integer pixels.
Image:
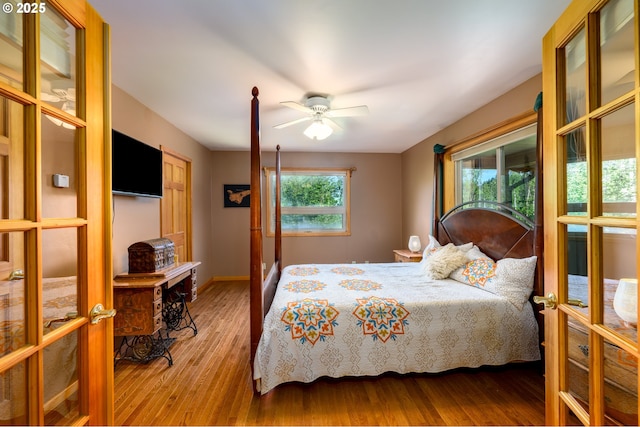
[
  {"x": 136, "y": 311},
  {"x": 157, "y": 321}
]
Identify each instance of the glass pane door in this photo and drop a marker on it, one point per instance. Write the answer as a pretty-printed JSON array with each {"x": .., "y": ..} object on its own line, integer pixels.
[
  {"x": 46, "y": 218},
  {"x": 591, "y": 140}
]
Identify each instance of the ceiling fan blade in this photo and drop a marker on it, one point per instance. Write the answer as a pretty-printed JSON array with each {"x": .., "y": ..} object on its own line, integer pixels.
[
  {"x": 333, "y": 125},
  {"x": 292, "y": 122},
  {"x": 296, "y": 106},
  {"x": 360, "y": 110}
]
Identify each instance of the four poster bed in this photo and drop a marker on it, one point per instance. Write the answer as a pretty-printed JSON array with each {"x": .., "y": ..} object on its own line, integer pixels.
[{"x": 334, "y": 320}]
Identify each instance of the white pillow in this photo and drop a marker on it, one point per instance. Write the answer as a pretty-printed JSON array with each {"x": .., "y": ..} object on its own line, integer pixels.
[
  {"x": 443, "y": 260},
  {"x": 514, "y": 279},
  {"x": 434, "y": 244}
]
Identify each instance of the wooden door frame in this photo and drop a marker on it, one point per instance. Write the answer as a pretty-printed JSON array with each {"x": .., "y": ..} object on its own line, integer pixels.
[{"x": 189, "y": 231}]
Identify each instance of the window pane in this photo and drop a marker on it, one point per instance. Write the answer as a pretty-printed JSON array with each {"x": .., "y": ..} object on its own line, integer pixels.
[
  {"x": 576, "y": 172},
  {"x": 479, "y": 177},
  {"x": 500, "y": 170},
  {"x": 12, "y": 292},
  {"x": 11, "y": 50},
  {"x": 312, "y": 201},
  {"x": 13, "y": 395},
  {"x": 575, "y": 75},
  {"x": 520, "y": 164},
  {"x": 59, "y": 158},
  {"x": 620, "y": 384},
  {"x": 61, "y": 381},
  {"x": 311, "y": 222},
  {"x": 312, "y": 190},
  {"x": 619, "y": 262},
  {"x": 616, "y": 49},
  {"x": 12, "y": 179},
  {"x": 619, "y": 163},
  {"x": 57, "y": 60},
  {"x": 578, "y": 281}
]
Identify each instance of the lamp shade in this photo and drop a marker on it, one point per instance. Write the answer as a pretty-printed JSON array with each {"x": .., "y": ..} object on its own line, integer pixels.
[
  {"x": 414, "y": 243},
  {"x": 318, "y": 130},
  {"x": 625, "y": 301}
]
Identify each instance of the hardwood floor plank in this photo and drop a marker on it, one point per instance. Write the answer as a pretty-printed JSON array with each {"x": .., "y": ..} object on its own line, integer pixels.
[{"x": 210, "y": 384}]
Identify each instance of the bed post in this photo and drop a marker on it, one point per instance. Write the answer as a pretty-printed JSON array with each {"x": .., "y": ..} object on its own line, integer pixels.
[
  {"x": 539, "y": 201},
  {"x": 278, "y": 236},
  {"x": 256, "y": 272},
  {"x": 538, "y": 226},
  {"x": 438, "y": 171}
]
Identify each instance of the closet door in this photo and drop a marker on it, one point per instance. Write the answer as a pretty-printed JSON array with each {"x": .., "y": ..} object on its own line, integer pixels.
[
  {"x": 591, "y": 109},
  {"x": 56, "y": 358}
]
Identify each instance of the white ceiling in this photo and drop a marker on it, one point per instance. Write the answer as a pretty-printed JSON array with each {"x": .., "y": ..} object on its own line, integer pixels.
[{"x": 419, "y": 65}]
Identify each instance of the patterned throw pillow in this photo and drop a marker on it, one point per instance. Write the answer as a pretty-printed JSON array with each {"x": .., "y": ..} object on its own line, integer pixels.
[
  {"x": 443, "y": 260},
  {"x": 476, "y": 272}
]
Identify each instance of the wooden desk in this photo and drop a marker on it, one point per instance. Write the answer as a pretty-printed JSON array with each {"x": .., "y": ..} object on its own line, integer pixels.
[{"x": 139, "y": 303}]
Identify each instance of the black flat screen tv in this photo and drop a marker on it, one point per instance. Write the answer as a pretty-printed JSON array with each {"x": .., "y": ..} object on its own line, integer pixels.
[{"x": 136, "y": 167}]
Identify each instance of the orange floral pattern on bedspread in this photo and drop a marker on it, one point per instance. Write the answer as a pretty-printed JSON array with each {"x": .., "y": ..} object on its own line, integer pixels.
[
  {"x": 304, "y": 286},
  {"x": 383, "y": 318},
  {"x": 310, "y": 319}
]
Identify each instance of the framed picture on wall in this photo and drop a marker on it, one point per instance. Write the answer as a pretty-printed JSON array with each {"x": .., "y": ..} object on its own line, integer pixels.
[{"x": 237, "y": 195}]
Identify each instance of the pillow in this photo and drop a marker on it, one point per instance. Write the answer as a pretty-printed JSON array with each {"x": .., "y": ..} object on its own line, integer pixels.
[
  {"x": 473, "y": 272},
  {"x": 443, "y": 260},
  {"x": 434, "y": 244},
  {"x": 511, "y": 278}
]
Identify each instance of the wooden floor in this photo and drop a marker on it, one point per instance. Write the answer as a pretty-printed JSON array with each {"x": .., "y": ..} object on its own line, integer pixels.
[{"x": 209, "y": 384}]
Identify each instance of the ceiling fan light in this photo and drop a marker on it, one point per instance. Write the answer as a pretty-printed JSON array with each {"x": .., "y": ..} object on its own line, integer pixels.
[{"x": 318, "y": 130}]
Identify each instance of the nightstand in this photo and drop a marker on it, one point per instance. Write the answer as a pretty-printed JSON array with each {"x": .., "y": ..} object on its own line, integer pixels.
[{"x": 405, "y": 255}]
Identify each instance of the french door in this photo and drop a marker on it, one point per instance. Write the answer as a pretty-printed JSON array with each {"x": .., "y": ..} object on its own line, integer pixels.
[
  {"x": 56, "y": 355},
  {"x": 591, "y": 97}
]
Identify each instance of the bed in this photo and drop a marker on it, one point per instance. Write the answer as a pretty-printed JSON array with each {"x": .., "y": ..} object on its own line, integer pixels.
[{"x": 336, "y": 320}]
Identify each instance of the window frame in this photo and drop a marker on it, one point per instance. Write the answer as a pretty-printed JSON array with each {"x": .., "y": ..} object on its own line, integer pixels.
[
  {"x": 343, "y": 210},
  {"x": 483, "y": 138},
  {"x": 497, "y": 144}
]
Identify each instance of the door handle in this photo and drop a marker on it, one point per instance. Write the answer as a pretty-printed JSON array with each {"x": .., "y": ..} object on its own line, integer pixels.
[
  {"x": 550, "y": 301},
  {"x": 98, "y": 313}
]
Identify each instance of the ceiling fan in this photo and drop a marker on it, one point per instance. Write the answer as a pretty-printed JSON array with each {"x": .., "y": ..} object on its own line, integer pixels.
[{"x": 318, "y": 110}]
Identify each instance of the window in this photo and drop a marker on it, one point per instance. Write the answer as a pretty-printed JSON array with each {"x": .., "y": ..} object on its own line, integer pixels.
[
  {"x": 315, "y": 202},
  {"x": 499, "y": 170}
]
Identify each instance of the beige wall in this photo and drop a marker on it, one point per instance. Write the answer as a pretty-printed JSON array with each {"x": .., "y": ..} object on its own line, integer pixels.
[
  {"x": 138, "y": 218},
  {"x": 376, "y": 206},
  {"x": 392, "y": 194},
  {"x": 417, "y": 162}
]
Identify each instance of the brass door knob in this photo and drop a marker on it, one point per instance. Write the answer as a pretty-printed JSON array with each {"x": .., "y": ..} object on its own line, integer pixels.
[
  {"x": 98, "y": 313},
  {"x": 550, "y": 301}
]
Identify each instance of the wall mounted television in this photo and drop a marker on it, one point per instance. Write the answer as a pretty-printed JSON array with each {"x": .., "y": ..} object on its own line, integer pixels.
[{"x": 136, "y": 168}]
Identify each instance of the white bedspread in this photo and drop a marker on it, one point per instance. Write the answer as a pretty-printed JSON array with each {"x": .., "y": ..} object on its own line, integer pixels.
[{"x": 366, "y": 319}]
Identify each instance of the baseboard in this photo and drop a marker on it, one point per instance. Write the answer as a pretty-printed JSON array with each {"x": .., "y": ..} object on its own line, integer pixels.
[{"x": 229, "y": 278}]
